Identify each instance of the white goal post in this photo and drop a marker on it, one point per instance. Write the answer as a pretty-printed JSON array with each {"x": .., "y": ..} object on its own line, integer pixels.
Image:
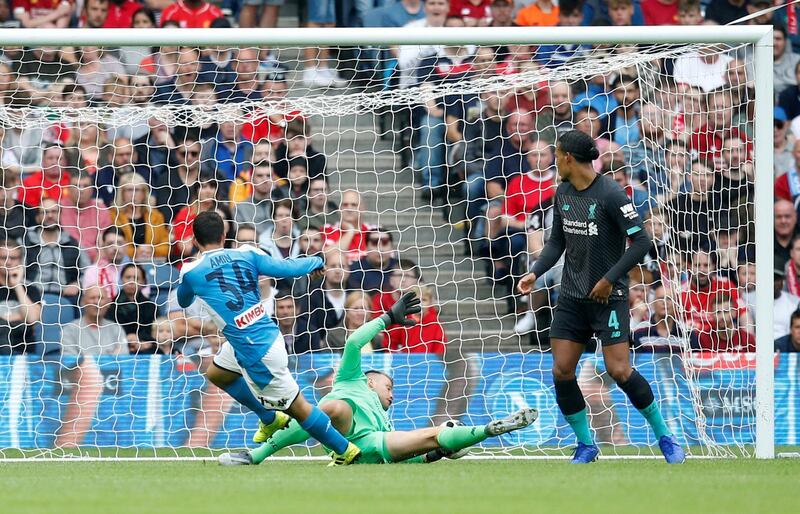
[{"x": 760, "y": 37}]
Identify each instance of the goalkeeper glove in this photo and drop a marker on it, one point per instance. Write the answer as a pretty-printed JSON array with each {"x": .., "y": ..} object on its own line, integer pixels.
[{"x": 407, "y": 304}]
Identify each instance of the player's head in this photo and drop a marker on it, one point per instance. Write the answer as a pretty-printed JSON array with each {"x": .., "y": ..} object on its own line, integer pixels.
[
  {"x": 383, "y": 385},
  {"x": 209, "y": 230},
  {"x": 575, "y": 151},
  {"x": 702, "y": 268}
]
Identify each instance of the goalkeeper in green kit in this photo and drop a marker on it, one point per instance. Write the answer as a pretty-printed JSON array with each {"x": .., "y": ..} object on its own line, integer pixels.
[{"x": 358, "y": 406}]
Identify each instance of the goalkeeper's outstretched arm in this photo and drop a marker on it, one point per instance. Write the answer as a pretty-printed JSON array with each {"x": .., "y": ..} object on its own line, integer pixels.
[{"x": 350, "y": 367}]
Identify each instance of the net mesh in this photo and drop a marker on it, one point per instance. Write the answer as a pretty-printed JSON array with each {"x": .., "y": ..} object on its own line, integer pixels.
[{"x": 432, "y": 168}]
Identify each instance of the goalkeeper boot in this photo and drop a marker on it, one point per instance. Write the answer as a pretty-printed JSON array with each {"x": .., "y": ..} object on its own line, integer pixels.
[
  {"x": 235, "y": 459},
  {"x": 350, "y": 455},
  {"x": 673, "y": 452},
  {"x": 520, "y": 419},
  {"x": 264, "y": 432},
  {"x": 585, "y": 453}
]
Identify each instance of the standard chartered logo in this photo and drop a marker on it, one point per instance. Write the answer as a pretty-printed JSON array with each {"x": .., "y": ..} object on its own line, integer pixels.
[
  {"x": 581, "y": 228},
  {"x": 509, "y": 394}
]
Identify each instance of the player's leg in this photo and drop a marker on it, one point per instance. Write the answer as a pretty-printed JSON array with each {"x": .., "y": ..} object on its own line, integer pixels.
[
  {"x": 319, "y": 426},
  {"x": 341, "y": 414},
  {"x": 616, "y": 354},
  {"x": 401, "y": 446},
  {"x": 271, "y": 381},
  {"x": 293, "y": 434},
  {"x": 339, "y": 411},
  {"x": 225, "y": 373},
  {"x": 569, "y": 333},
  {"x": 569, "y": 396}
]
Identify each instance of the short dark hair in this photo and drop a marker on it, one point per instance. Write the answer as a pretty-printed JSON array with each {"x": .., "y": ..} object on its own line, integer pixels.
[
  {"x": 569, "y": 7},
  {"x": 52, "y": 144},
  {"x": 794, "y": 240},
  {"x": 209, "y": 228},
  {"x": 580, "y": 145},
  {"x": 220, "y": 23},
  {"x": 138, "y": 267},
  {"x": 409, "y": 265},
  {"x": 300, "y": 161},
  {"x": 81, "y": 175},
  {"x": 72, "y": 87},
  {"x": 296, "y": 127},
  {"x": 688, "y": 5},
  {"x": 147, "y": 12},
  {"x": 185, "y": 135},
  {"x": 795, "y": 315},
  {"x": 246, "y": 226},
  {"x": 376, "y": 372},
  {"x": 284, "y": 293},
  {"x": 378, "y": 231},
  {"x": 12, "y": 245},
  {"x": 112, "y": 231},
  {"x": 283, "y": 203}
]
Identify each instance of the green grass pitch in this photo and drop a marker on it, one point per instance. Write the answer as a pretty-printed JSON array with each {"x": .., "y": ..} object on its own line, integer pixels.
[{"x": 458, "y": 487}]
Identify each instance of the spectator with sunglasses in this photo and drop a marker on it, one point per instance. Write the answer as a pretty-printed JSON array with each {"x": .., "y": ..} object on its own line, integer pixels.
[{"x": 373, "y": 270}]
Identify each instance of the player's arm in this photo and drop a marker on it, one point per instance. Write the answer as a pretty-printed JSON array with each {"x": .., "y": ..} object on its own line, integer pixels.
[
  {"x": 185, "y": 294},
  {"x": 623, "y": 214},
  {"x": 550, "y": 254},
  {"x": 287, "y": 268},
  {"x": 350, "y": 367}
]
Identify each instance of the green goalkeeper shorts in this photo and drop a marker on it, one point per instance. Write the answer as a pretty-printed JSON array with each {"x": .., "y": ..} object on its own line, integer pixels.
[{"x": 373, "y": 448}]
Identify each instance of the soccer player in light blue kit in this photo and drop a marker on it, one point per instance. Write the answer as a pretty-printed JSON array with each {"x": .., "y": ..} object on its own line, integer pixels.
[{"x": 252, "y": 366}]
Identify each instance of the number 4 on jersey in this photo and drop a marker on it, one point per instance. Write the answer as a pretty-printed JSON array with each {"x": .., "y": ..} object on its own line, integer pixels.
[{"x": 613, "y": 322}]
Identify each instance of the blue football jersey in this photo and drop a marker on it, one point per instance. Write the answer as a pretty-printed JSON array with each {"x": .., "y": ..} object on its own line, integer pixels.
[{"x": 226, "y": 282}]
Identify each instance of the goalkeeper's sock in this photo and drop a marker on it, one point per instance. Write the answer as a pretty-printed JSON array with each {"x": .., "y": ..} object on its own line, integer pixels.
[
  {"x": 570, "y": 400},
  {"x": 240, "y": 392},
  {"x": 458, "y": 438},
  {"x": 292, "y": 434},
  {"x": 641, "y": 395},
  {"x": 319, "y": 426}
]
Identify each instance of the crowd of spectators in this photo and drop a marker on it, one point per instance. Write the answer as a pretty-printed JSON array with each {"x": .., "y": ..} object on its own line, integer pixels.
[{"x": 98, "y": 220}]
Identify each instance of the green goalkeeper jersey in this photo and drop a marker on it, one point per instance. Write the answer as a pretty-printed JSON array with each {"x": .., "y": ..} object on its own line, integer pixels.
[{"x": 351, "y": 386}]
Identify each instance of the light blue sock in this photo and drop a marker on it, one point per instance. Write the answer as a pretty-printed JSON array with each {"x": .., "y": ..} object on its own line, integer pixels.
[
  {"x": 241, "y": 393},
  {"x": 653, "y": 416},
  {"x": 319, "y": 426}
]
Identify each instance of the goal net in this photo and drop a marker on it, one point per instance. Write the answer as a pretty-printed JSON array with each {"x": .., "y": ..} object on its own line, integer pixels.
[{"x": 429, "y": 167}]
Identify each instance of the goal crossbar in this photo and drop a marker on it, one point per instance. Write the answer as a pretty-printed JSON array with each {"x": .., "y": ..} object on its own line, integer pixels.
[{"x": 387, "y": 36}]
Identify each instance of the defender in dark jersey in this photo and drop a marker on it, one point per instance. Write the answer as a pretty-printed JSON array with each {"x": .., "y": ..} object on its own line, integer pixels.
[{"x": 593, "y": 219}]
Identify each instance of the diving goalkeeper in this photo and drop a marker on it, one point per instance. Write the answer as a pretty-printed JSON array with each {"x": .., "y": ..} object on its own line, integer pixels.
[{"x": 358, "y": 406}]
